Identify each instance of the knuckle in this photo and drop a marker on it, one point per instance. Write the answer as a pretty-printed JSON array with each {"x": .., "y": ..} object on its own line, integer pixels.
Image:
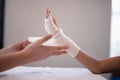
[{"x": 45, "y": 38}]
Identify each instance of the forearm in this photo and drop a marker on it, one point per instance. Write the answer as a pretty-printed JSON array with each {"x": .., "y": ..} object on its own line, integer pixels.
[
  {"x": 111, "y": 64},
  {"x": 98, "y": 66},
  {"x": 88, "y": 61},
  {"x": 12, "y": 60},
  {"x": 2, "y": 52}
]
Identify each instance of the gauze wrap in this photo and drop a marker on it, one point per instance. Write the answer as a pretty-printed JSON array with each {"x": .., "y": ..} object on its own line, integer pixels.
[{"x": 60, "y": 37}]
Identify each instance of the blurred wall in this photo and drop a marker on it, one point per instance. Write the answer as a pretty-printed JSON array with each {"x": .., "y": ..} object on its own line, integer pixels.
[{"x": 87, "y": 22}]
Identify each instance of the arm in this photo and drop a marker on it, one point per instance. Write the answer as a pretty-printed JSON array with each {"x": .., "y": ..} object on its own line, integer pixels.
[
  {"x": 99, "y": 66},
  {"x": 12, "y": 60},
  {"x": 13, "y": 55},
  {"x": 26, "y": 54},
  {"x": 93, "y": 64}
]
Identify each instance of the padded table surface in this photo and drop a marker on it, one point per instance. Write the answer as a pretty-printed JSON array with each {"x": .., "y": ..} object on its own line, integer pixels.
[{"x": 49, "y": 73}]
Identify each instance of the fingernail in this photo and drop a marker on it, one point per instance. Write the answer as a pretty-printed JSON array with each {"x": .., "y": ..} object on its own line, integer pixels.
[{"x": 50, "y": 35}]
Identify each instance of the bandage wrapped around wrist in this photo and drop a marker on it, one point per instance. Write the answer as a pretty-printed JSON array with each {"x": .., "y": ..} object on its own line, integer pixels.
[{"x": 60, "y": 37}]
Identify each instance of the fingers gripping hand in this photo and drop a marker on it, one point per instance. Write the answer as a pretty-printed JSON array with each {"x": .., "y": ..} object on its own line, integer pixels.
[{"x": 37, "y": 51}]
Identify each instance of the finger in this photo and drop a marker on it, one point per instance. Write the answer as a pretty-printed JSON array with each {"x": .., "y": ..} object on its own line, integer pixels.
[
  {"x": 59, "y": 52},
  {"x": 54, "y": 21},
  {"x": 47, "y": 13},
  {"x": 58, "y": 47},
  {"x": 44, "y": 39},
  {"x": 25, "y": 43},
  {"x": 21, "y": 45},
  {"x": 40, "y": 41}
]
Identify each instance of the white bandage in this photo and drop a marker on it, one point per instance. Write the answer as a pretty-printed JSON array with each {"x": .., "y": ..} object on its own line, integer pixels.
[{"x": 60, "y": 37}]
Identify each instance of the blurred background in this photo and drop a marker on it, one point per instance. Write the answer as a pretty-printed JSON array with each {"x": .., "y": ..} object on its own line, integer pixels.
[{"x": 87, "y": 22}]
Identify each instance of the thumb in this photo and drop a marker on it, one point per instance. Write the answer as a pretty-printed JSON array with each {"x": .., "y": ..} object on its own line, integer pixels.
[
  {"x": 39, "y": 42},
  {"x": 54, "y": 21},
  {"x": 43, "y": 39}
]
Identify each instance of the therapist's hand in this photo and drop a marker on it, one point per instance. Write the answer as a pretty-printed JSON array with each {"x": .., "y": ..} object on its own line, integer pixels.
[
  {"x": 37, "y": 51},
  {"x": 25, "y": 52}
]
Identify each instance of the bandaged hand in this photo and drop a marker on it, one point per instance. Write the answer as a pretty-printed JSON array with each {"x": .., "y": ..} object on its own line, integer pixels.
[{"x": 60, "y": 38}]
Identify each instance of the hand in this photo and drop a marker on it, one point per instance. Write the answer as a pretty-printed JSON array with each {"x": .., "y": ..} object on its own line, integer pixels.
[
  {"x": 60, "y": 38},
  {"x": 37, "y": 51},
  {"x": 51, "y": 25},
  {"x": 14, "y": 48},
  {"x": 25, "y": 52}
]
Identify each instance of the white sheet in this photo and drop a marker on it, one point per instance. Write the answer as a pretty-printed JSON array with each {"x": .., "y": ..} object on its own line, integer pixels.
[{"x": 48, "y": 73}]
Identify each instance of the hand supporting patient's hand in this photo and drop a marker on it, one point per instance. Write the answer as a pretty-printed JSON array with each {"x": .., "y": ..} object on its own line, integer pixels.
[
  {"x": 60, "y": 38},
  {"x": 37, "y": 51},
  {"x": 26, "y": 52}
]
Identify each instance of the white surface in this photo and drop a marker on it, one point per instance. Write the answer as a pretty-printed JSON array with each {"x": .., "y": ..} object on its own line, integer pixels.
[{"x": 47, "y": 73}]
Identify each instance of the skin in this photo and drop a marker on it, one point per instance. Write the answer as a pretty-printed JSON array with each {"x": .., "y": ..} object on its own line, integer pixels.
[
  {"x": 108, "y": 65},
  {"x": 26, "y": 52}
]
